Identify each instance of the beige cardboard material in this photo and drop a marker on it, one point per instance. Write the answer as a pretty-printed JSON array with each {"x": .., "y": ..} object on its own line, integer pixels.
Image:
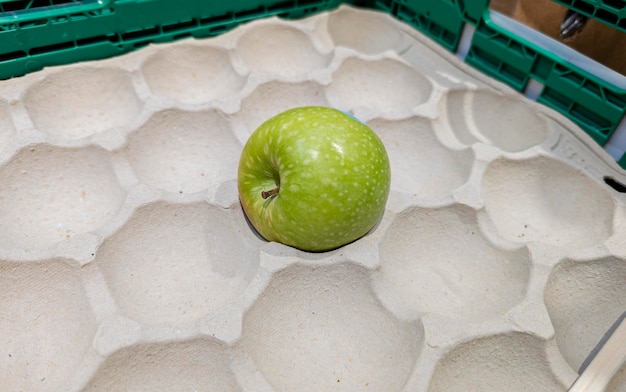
[{"x": 126, "y": 263}]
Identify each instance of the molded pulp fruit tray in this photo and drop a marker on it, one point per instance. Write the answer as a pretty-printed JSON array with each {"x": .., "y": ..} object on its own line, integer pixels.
[
  {"x": 127, "y": 263},
  {"x": 40, "y": 33}
]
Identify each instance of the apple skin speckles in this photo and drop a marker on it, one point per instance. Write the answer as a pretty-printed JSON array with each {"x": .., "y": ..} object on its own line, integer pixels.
[{"x": 334, "y": 178}]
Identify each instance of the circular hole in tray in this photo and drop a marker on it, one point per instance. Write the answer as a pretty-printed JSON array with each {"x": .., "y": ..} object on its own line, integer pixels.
[
  {"x": 194, "y": 365},
  {"x": 272, "y": 98},
  {"x": 192, "y": 74},
  {"x": 50, "y": 194},
  {"x": 511, "y": 362},
  {"x": 79, "y": 102},
  {"x": 320, "y": 328},
  {"x": 46, "y": 325},
  {"x": 387, "y": 85},
  {"x": 542, "y": 199},
  {"x": 184, "y": 152},
  {"x": 420, "y": 164},
  {"x": 280, "y": 49},
  {"x": 584, "y": 298},
  {"x": 616, "y": 185},
  {"x": 366, "y": 32},
  {"x": 503, "y": 121},
  {"x": 437, "y": 261},
  {"x": 172, "y": 264}
]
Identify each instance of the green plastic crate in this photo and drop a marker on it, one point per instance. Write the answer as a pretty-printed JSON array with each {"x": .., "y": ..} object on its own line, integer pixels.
[
  {"x": 596, "y": 102},
  {"x": 39, "y": 33},
  {"x": 610, "y": 12}
]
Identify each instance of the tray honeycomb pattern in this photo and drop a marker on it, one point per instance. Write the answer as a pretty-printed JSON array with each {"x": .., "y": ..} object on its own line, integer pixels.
[{"x": 127, "y": 264}]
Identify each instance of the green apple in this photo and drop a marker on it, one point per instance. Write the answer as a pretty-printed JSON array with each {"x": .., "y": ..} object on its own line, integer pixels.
[{"x": 313, "y": 178}]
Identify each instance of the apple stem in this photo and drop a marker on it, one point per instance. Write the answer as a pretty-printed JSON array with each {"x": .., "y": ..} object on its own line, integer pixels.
[{"x": 270, "y": 193}]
